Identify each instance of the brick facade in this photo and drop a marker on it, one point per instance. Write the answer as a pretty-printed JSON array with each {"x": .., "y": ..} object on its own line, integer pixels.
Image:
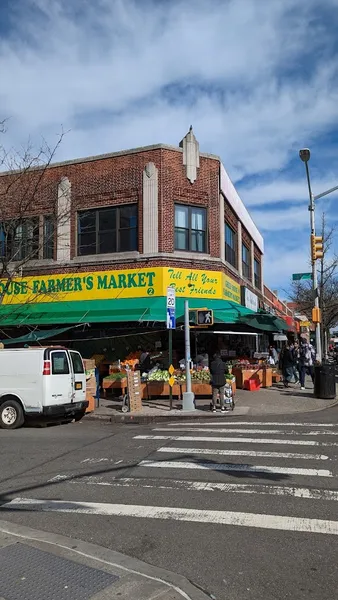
[{"x": 117, "y": 179}]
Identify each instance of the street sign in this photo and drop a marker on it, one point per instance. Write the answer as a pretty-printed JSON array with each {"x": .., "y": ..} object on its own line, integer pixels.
[
  {"x": 301, "y": 276},
  {"x": 171, "y": 308}
]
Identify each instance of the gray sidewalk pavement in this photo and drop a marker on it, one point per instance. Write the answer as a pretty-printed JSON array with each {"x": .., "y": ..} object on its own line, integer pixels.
[
  {"x": 35, "y": 565},
  {"x": 267, "y": 401}
]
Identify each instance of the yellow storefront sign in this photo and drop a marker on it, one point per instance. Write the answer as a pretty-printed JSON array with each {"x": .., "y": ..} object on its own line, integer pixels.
[{"x": 133, "y": 283}]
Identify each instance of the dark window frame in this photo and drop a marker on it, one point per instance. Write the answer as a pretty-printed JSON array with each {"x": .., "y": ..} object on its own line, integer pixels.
[
  {"x": 230, "y": 252},
  {"x": 189, "y": 231},
  {"x": 48, "y": 237},
  {"x": 257, "y": 275},
  {"x": 246, "y": 266},
  {"x": 116, "y": 231},
  {"x": 17, "y": 243}
]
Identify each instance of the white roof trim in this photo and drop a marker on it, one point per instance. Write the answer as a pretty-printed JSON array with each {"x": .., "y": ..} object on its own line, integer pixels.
[{"x": 229, "y": 191}]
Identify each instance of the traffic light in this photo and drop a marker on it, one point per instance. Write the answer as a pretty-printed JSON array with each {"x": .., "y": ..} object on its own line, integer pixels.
[
  {"x": 316, "y": 247},
  {"x": 205, "y": 317},
  {"x": 316, "y": 315}
]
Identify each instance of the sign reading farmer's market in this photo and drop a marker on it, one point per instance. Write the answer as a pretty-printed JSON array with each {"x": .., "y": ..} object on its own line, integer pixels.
[{"x": 133, "y": 283}]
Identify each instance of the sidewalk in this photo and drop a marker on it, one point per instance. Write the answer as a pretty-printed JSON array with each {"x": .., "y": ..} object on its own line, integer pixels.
[
  {"x": 35, "y": 565},
  {"x": 267, "y": 401}
]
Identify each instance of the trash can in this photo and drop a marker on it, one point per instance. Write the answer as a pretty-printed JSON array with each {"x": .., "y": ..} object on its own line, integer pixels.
[{"x": 325, "y": 381}]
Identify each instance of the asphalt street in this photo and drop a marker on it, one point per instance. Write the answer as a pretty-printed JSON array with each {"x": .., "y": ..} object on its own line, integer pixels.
[{"x": 243, "y": 507}]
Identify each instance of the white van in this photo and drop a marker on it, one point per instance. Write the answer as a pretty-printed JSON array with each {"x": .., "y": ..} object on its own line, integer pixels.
[{"x": 41, "y": 382}]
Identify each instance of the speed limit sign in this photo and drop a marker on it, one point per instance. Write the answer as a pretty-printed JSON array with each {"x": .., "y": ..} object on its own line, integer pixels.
[{"x": 171, "y": 306}]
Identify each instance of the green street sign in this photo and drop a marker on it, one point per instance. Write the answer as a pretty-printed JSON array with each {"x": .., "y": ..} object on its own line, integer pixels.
[{"x": 301, "y": 276}]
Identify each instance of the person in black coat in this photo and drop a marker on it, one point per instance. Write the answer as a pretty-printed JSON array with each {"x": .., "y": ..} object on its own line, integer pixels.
[
  {"x": 287, "y": 364},
  {"x": 217, "y": 370}
]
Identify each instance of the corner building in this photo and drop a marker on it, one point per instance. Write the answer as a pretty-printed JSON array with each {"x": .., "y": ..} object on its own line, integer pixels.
[{"x": 129, "y": 224}]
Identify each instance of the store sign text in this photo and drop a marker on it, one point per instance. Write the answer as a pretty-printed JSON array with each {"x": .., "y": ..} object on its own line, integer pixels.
[{"x": 133, "y": 283}]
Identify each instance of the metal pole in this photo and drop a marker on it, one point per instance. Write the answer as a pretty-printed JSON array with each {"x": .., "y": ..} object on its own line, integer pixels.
[
  {"x": 187, "y": 345},
  {"x": 170, "y": 363},
  {"x": 188, "y": 396},
  {"x": 314, "y": 267}
]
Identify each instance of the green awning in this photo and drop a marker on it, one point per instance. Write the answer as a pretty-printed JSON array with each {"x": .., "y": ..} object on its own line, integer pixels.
[
  {"x": 35, "y": 336},
  {"x": 113, "y": 311},
  {"x": 265, "y": 322}
]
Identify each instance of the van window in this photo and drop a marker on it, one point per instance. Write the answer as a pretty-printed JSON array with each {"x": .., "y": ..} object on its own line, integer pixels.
[
  {"x": 77, "y": 362},
  {"x": 60, "y": 365}
]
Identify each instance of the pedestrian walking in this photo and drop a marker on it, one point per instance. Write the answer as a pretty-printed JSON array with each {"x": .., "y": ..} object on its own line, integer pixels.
[
  {"x": 287, "y": 364},
  {"x": 307, "y": 357},
  {"x": 296, "y": 352},
  {"x": 217, "y": 371}
]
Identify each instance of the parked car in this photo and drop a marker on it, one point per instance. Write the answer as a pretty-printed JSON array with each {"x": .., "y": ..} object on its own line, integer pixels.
[{"x": 36, "y": 382}]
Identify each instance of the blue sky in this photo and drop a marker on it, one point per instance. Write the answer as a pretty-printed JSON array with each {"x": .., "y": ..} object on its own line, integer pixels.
[{"x": 258, "y": 79}]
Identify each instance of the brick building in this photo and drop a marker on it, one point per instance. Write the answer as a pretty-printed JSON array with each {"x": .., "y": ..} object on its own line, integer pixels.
[{"x": 106, "y": 235}]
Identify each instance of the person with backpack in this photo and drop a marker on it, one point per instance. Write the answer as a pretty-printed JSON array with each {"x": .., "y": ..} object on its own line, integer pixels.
[{"x": 307, "y": 358}]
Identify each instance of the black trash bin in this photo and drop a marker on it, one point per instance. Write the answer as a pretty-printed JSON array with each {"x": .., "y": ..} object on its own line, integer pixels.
[{"x": 325, "y": 381}]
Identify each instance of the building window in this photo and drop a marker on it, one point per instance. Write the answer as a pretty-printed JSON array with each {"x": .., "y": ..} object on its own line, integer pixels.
[
  {"x": 230, "y": 246},
  {"x": 107, "y": 230},
  {"x": 19, "y": 239},
  {"x": 245, "y": 262},
  {"x": 257, "y": 273},
  {"x": 48, "y": 237},
  {"x": 190, "y": 228}
]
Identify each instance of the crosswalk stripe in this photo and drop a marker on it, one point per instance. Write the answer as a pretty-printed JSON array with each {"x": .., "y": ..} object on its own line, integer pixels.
[
  {"x": 241, "y": 519},
  {"x": 254, "y": 423},
  {"x": 240, "y": 430},
  {"x": 212, "y": 466},
  {"x": 240, "y": 440},
  {"x": 202, "y": 486},
  {"x": 216, "y": 451}
]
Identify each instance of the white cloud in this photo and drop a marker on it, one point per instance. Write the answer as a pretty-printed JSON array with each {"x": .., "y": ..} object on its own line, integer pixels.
[{"x": 127, "y": 73}]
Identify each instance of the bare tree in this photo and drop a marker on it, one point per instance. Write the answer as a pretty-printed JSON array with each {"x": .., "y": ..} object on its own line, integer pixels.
[
  {"x": 301, "y": 291},
  {"x": 26, "y": 235}
]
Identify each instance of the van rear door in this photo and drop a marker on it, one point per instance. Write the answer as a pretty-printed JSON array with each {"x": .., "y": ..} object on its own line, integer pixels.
[
  {"x": 59, "y": 383},
  {"x": 79, "y": 376}
]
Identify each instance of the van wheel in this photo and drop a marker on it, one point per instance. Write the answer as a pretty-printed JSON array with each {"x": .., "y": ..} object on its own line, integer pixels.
[
  {"x": 79, "y": 416},
  {"x": 11, "y": 415}
]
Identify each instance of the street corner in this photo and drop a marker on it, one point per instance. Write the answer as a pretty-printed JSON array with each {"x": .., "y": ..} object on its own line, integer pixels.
[{"x": 42, "y": 566}]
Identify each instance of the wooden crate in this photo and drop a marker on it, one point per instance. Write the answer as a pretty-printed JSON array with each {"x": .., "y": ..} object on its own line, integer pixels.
[{"x": 157, "y": 389}]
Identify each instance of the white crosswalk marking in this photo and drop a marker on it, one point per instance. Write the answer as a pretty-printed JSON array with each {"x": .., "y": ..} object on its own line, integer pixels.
[
  {"x": 198, "y": 468},
  {"x": 218, "y": 452},
  {"x": 270, "y": 431},
  {"x": 179, "y": 514},
  {"x": 241, "y": 440},
  {"x": 231, "y": 467}
]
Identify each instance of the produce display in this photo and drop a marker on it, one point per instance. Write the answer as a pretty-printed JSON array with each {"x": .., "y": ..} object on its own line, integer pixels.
[
  {"x": 116, "y": 376},
  {"x": 158, "y": 375}
]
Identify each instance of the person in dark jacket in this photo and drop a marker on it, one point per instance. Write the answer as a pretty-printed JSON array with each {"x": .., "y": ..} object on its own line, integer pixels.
[
  {"x": 217, "y": 370},
  {"x": 287, "y": 364}
]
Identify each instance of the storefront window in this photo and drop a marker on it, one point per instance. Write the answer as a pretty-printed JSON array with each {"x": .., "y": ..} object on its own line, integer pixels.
[
  {"x": 246, "y": 261},
  {"x": 257, "y": 273},
  {"x": 190, "y": 228},
  {"x": 230, "y": 245},
  {"x": 108, "y": 230}
]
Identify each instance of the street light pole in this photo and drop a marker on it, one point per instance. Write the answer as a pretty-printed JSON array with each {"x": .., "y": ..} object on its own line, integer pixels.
[{"x": 305, "y": 157}]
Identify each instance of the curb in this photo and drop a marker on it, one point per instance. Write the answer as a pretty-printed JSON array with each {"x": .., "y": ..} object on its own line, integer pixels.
[
  {"x": 177, "y": 583},
  {"x": 135, "y": 419}
]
